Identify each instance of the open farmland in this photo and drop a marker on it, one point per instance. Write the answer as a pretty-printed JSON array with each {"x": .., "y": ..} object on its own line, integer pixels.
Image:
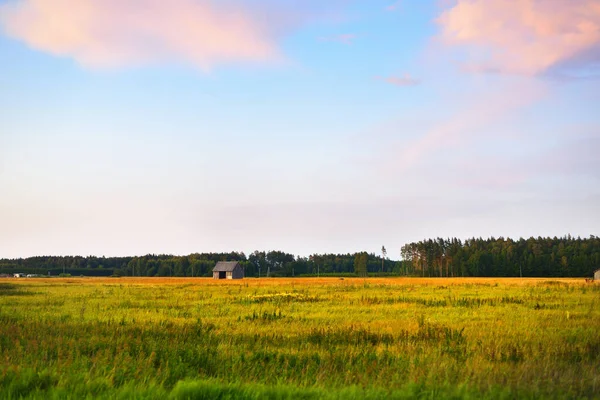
[{"x": 307, "y": 338}]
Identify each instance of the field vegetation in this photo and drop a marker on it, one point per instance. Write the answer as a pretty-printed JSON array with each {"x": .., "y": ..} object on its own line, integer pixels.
[{"x": 299, "y": 338}]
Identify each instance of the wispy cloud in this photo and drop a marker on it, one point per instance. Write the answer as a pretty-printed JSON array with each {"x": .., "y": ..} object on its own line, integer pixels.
[
  {"x": 573, "y": 156},
  {"x": 345, "y": 38},
  {"x": 115, "y": 33},
  {"x": 528, "y": 37},
  {"x": 394, "y": 6},
  {"x": 569, "y": 158},
  {"x": 404, "y": 80},
  {"x": 462, "y": 127}
]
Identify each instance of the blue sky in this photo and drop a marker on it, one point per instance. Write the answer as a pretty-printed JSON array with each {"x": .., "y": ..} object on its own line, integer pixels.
[{"x": 198, "y": 125}]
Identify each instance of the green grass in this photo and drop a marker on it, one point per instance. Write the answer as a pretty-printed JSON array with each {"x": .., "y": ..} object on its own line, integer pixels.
[{"x": 299, "y": 338}]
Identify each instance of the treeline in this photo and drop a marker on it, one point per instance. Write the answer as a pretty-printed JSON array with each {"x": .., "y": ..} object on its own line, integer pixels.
[
  {"x": 257, "y": 264},
  {"x": 533, "y": 257}
]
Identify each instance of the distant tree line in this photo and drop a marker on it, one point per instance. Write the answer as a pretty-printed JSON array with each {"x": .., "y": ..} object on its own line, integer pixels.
[
  {"x": 566, "y": 256},
  {"x": 259, "y": 263},
  {"x": 533, "y": 257}
]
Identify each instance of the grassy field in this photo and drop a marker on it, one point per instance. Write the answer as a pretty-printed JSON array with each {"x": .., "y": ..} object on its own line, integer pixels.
[{"x": 299, "y": 338}]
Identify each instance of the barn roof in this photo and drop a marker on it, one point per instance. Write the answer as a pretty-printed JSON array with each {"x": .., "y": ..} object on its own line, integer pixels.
[{"x": 225, "y": 266}]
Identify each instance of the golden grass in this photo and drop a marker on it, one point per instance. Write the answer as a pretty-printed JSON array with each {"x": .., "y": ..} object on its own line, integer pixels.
[
  {"x": 256, "y": 282},
  {"x": 493, "y": 337}
]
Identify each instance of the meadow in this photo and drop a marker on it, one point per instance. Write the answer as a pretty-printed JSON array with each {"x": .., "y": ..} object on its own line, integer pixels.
[{"x": 305, "y": 338}]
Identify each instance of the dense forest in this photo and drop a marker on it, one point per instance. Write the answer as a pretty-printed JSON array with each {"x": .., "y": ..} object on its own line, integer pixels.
[
  {"x": 533, "y": 257},
  {"x": 565, "y": 256}
]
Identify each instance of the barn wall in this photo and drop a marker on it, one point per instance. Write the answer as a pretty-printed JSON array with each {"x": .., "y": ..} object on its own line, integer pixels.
[
  {"x": 215, "y": 275},
  {"x": 238, "y": 273},
  {"x": 597, "y": 275}
]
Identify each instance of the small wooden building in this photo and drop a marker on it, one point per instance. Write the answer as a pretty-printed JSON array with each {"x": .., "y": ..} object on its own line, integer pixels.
[
  {"x": 597, "y": 275},
  {"x": 228, "y": 270}
]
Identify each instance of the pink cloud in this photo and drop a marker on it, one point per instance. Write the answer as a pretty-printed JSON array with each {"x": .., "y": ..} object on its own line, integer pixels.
[
  {"x": 116, "y": 33},
  {"x": 526, "y": 37},
  {"x": 404, "y": 80}
]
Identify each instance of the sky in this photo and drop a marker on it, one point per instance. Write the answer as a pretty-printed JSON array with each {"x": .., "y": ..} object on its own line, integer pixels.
[{"x": 181, "y": 126}]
